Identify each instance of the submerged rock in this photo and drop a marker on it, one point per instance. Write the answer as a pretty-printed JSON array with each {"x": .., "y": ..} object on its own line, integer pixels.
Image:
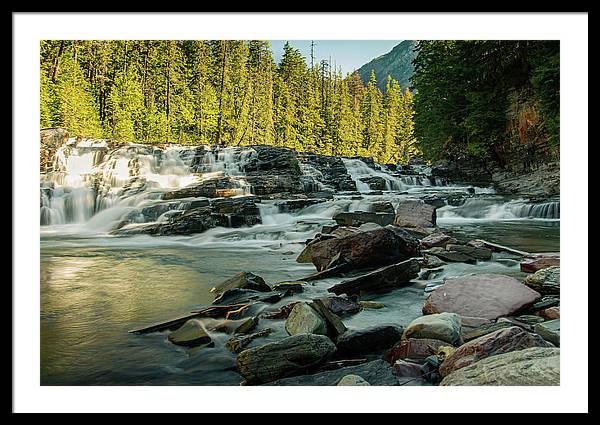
[
  {"x": 486, "y": 295},
  {"x": 537, "y": 366},
  {"x": 282, "y": 358},
  {"x": 498, "y": 342},
  {"x": 442, "y": 326}
]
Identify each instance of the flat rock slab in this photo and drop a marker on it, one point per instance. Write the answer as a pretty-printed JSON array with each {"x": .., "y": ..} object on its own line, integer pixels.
[
  {"x": 382, "y": 278},
  {"x": 549, "y": 330},
  {"x": 437, "y": 239},
  {"x": 470, "y": 334},
  {"x": 357, "y": 218},
  {"x": 376, "y": 372},
  {"x": 530, "y": 367},
  {"x": 498, "y": 342},
  {"x": 488, "y": 296},
  {"x": 191, "y": 334},
  {"x": 279, "y": 359}
]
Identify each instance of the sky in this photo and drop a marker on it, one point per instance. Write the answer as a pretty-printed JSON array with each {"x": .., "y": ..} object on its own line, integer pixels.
[{"x": 347, "y": 54}]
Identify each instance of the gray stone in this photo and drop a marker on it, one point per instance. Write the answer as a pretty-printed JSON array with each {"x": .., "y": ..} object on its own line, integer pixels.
[
  {"x": 549, "y": 330},
  {"x": 303, "y": 319},
  {"x": 437, "y": 240},
  {"x": 442, "y": 326},
  {"x": 545, "y": 281},
  {"x": 535, "y": 366},
  {"x": 276, "y": 360}
]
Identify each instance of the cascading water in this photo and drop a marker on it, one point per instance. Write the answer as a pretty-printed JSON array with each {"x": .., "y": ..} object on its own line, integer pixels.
[{"x": 497, "y": 209}]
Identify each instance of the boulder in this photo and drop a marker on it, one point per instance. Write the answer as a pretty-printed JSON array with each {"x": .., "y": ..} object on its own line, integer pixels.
[
  {"x": 415, "y": 213},
  {"x": 545, "y": 281},
  {"x": 498, "y": 342},
  {"x": 380, "y": 279},
  {"x": 536, "y": 366},
  {"x": 486, "y": 295},
  {"x": 376, "y": 372},
  {"x": 276, "y": 360},
  {"x": 375, "y": 182},
  {"x": 191, "y": 334},
  {"x": 304, "y": 319},
  {"x": 442, "y": 326},
  {"x": 352, "y": 380},
  {"x": 367, "y": 340},
  {"x": 366, "y": 249},
  {"x": 357, "y": 218},
  {"x": 383, "y": 206},
  {"x": 437, "y": 240},
  {"x": 414, "y": 349},
  {"x": 243, "y": 280},
  {"x": 549, "y": 330}
]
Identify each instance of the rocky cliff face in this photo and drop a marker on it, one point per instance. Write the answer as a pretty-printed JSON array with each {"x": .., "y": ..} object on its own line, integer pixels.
[{"x": 525, "y": 163}]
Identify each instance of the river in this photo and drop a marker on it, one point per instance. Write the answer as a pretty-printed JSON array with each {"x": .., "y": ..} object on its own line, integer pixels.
[{"x": 96, "y": 286}]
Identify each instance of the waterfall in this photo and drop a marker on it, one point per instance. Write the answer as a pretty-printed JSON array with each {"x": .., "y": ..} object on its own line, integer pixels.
[{"x": 495, "y": 209}]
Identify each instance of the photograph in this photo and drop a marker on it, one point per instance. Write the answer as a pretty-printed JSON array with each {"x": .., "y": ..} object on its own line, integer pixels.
[{"x": 298, "y": 212}]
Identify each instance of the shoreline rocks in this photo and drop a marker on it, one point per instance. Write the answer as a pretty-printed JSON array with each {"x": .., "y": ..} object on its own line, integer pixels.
[
  {"x": 488, "y": 296},
  {"x": 537, "y": 366},
  {"x": 291, "y": 355}
]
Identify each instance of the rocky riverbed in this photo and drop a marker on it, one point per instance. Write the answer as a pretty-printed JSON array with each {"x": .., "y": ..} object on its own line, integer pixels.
[{"x": 289, "y": 268}]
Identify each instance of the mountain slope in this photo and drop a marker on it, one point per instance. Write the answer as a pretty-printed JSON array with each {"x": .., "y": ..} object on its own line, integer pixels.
[{"x": 397, "y": 63}]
